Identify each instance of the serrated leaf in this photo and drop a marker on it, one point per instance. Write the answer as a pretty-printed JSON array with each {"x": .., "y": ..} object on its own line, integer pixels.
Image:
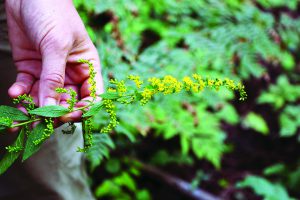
[
  {"x": 94, "y": 109},
  {"x": 100, "y": 149},
  {"x": 110, "y": 95},
  {"x": 12, "y": 113},
  {"x": 50, "y": 111},
  {"x": 35, "y": 134},
  {"x": 10, "y": 157}
]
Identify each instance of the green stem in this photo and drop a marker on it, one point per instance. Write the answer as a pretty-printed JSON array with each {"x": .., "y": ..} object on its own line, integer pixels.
[
  {"x": 24, "y": 123},
  {"x": 82, "y": 108}
]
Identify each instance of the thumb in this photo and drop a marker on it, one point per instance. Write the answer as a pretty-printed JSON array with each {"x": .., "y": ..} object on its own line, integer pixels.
[{"x": 52, "y": 77}]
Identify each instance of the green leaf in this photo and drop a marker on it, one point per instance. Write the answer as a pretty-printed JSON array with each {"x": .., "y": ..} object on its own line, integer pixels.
[
  {"x": 50, "y": 111},
  {"x": 274, "y": 169},
  {"x": 94, "y": 109},
  {"x": 257, "y": 123},
  {"x": 35, "y": 134},
  {"x": 265, "y": 188},
  {"x": 185, "y": 144},
  {"x": 100, "y": 149},
  {"x": 10, "y": 157},
  {"x": 113, "y": 166},
  {"x": 107, "y": 188},
  {"x": 123, "y": 130},
  {"x": 288, "y": 126},
  {"x": 229, "y": 114},
  {"x": 13, "y": 113},
  {"x": 288, "y": 61},
  {"x": 126, "y": 180},
  {"x": 110, "y": 95}
]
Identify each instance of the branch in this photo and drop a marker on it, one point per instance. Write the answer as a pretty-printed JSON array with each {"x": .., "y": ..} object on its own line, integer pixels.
[{"x": 180, "y": 185}]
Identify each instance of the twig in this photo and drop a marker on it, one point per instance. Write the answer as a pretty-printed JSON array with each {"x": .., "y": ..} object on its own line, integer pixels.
[{"x": 177, "y": 183}]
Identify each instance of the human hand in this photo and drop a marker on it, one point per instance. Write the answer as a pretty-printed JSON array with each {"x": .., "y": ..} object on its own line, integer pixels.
[{"x": 47, "y": 38}]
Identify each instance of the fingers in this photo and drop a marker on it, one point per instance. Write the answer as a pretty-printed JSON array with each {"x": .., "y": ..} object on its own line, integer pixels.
[
  {"x": 22, "y": 85},
  {"x": 52, "y": 77}
]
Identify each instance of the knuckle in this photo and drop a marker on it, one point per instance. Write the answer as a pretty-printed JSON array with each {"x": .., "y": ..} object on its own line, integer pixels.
[
  {"x": 55, "y": 44},
  {"x": 54, "y": 80}
]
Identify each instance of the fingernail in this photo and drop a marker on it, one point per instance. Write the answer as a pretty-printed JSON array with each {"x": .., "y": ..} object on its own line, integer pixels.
[{"x": 49, "y": 101}]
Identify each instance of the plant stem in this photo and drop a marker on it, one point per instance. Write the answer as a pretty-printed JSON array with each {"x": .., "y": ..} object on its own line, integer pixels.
[
  {"x": 82, "y": 108},
  {"x": 24, "y": 123}
]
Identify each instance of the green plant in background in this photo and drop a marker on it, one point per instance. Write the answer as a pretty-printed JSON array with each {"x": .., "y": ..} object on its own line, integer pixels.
[
  {"x": 117, "y": 92},
  {"x": 264, "y": 188},
  {"x": 254, "y": 41}
]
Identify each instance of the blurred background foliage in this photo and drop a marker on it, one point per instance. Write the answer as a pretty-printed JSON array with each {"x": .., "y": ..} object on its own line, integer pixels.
[{"x": 211, "y": 141}]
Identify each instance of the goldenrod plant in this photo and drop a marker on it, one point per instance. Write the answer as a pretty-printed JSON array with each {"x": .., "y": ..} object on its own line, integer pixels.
[{"x": 30, "y": 139}]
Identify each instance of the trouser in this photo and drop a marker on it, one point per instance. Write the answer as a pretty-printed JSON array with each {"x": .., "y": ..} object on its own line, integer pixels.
[{"x": 56, "y": 171}]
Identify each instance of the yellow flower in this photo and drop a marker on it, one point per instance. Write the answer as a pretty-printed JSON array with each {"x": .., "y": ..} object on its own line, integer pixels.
[
  {"x": 197, "y": 77},
  {"x": 218, "y": 84},
  {"x": 230, "y": 84},
  {"x": 210, "y": 82},
  {"x": 187, "y": 83},
  {"x": 171, "y": 85},
  {"x": 91, "y": 80},
  {"x": 154, "y": 81},
  {"x": 120, "y": 86},
  {"x": 195, "y": 87},
  {"x": 136, "y": 80},
  {"x": 161, "y": 87},
  {"x": 146, "y": 95},
  {"x": 110, "y": 108}
]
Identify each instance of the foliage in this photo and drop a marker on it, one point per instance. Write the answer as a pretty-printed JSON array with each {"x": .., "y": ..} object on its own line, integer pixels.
[
  {"x": 256, "y": 122},
  {"x": 253, "y": 41},
  {"x": 263, "y": 187},
  {"x": 122, "y": 186}
]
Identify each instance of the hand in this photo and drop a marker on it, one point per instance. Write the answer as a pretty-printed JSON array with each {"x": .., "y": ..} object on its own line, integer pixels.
[{"x": 47, "y": 38}]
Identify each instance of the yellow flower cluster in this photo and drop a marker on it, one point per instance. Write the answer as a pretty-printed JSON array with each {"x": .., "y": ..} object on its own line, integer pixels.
[
  {"x": 48, "y": 131},
  {"x": 91, "y": 80},
  {"x": 136, "y": 80},
  {"x": 188, "y": 83},
  {"x": 166, "y": 85},
  {"x": 120, "y": 86},
  {"x": 88, "y": 135},
  {"x": 230, "y": 84},
  {"x": 218, "y": 84},
  {"x": 110, "y": 108},
  {"x": 72, "y": 100},
  {"x": 26, "y": 101},
  {"x": 14, "y": 149},
  {"x": 196, "y": 86},
  {"x": 169, "y": 85},
  {"x": 146, "y": 95}
]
